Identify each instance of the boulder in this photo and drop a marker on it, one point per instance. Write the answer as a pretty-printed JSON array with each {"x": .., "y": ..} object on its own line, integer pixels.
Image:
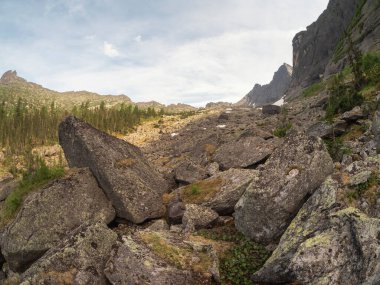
[
  {"x": 79, "y": 259},
  {"x": 198, "y": 217},
  {"x": 133, "y": 186},
  {"x": 48, "y": 216},
  {"x": 159, "y": 225},
  {"x": 353, "y": 115},
  {"x": 376, "y": 129},
  {"x": 219, "y": 192},
  {"x": 325, "y": 244},
  {"x": 271, "y": 110},
  {"x": 175, "y": 210},
  {"x": 245, "y": 152},
  {"x": 292, "y": 173},
  {"x": 327, "y": 131},
  {"x": 156, "y": 258},
  {"x": 7, "y": 186},
  {"x": 188, "y": 172}
]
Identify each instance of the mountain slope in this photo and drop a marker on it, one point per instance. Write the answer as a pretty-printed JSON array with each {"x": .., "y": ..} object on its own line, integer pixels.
[{"x": 266, "y": 94}]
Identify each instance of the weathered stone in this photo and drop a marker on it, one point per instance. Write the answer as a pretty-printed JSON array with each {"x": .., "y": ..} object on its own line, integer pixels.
[
  {"x": 361, "y": 177},
  {"x": 212, "y": 169},
  {"x": 161, "y": 258},
  {"x": 80, "y": 259},
  {"x": 159, "y": 225},
  {"x": 50, "y": 214},
  {"x": 323, "y": 234},
  {"x": 188, "y": 172},
  {"x": 133, "y": 187},
  {"x": 376, "y": 129},
  {"x": 176, "y": 209},
  {"x": 271, "y": 110},
  {"x": 220, "y": 192},
  {"x": 198, "y": 217},
  {"x": 325, "y": 130},
  {"x": 245, "y": 152},
  {"x": 353, "y": 115},
  {"x": 292, "y": 173}
]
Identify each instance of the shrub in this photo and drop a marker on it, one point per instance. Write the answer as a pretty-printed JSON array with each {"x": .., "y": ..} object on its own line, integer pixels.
[
  {"x": 282, "y": 130},
  {"x": 371, "y": 68},
  {"x": 313, "y": 90},
  {"x": 336, "y": 148}
]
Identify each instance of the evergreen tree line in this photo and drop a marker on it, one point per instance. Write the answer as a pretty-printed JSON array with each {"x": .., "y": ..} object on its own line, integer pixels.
[{"x": 23, "y": 127}]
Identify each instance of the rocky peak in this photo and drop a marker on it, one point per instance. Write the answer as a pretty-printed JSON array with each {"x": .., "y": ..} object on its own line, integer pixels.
[
  {"x": 313, "y": 48},
  {"x": 267, "y": 94},
  {"x": 10, "y": 76}
]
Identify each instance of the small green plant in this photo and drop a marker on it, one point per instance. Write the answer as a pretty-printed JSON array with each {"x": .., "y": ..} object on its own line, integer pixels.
[
  {"x": 371, "y": 68},
  {"x": 358, "y": 191},
  {"x": 282, "y": 130},
  {"x": 30, "y": 181},
  {"x": 336, "y": 148},
  {"x": 241, "y": 260},
  {"x": 194, "y": 190}
]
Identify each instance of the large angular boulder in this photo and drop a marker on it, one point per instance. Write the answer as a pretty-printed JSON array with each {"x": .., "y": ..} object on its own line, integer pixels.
[
  {"x": 49, "y": 215},
  {"x": 133, "y": 186},
  {"x": 292, "y": 173},
  {"x": 219, "y": 192},
  {"x": 188, "y": 172},
  {"x": 376, "y": 129},
  {"x": 155, "y": 258},
  {"x": 79, "y": 259},
  {"x": 326, "y": 244},
  {"x": 245, "y": 152}
]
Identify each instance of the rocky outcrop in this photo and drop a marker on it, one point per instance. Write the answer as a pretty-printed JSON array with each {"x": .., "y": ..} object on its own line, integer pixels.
[
  {"x": 376, "y": 129},
  {"x": 188, "y": 172},
  {"x": 48, "y": 216},
  {"x": 245, "y": 152},
  {"x": 292, "y": 173},
  {"x": 313, "y": 48},
  {"x": 133, "y": 186},
  {"x": 80, "y": 259},
  {"x": 197, "y": 217},
  {"x": 219, "y": 192},
  {"x": 10, "y": 76},
  {"x": 267, "y": 94},
  {"x": 156, "y": 258},
  {"x": 324, "y": 234}
]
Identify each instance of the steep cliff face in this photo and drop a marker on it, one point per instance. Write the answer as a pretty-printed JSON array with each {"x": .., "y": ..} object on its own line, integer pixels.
[
  {"x": 313, "y": 48},
  {"x": 266, "y": 94}
]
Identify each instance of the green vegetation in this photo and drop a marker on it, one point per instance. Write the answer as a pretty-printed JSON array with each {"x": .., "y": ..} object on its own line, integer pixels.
[
  {"x": 36, "y": 177},
  {"x": 282, "y": 130},
  {"x": 201, "y": 191},
  {"x": 359, "y": 190},
  {"x": 336, "y": 148},
  {"x": 195, "y": 190},
  {"x": 371, "y": 68},
  {"x": 313, "y": 89},
  {"x": 238, "y": 263}
]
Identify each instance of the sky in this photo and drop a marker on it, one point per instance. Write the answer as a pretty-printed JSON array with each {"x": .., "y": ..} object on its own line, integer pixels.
[{"x": 169, "y": 51}]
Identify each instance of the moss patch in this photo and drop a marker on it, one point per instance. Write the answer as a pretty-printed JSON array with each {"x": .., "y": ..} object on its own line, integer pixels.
[
  {"x": 181, "y": 257},
  {"x": 201, "y": 191}
]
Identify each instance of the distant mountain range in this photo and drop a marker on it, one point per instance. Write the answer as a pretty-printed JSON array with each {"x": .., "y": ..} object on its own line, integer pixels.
[{"x": 13, "y": 87}]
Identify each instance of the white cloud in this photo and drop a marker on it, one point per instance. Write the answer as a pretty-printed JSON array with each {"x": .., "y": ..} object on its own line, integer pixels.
[
  {"x": 138, "y": 38},
  {"x": 109, "y": 50}
]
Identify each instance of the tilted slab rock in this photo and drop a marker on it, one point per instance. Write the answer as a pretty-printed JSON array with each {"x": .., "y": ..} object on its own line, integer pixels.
[
  {"x": 245, "y": 152},
  {"x": 326, "y": 245},
  {"x": 157, "y": 258},
  {"x": 219, "y": 192},
  {"x": 50, "y": 214},
  {"x": 134, "y": 188},
  {"x": 80, "y": 259},
  {"x": 189, "y": 172},
  {"x": 292, "y": 173}
]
